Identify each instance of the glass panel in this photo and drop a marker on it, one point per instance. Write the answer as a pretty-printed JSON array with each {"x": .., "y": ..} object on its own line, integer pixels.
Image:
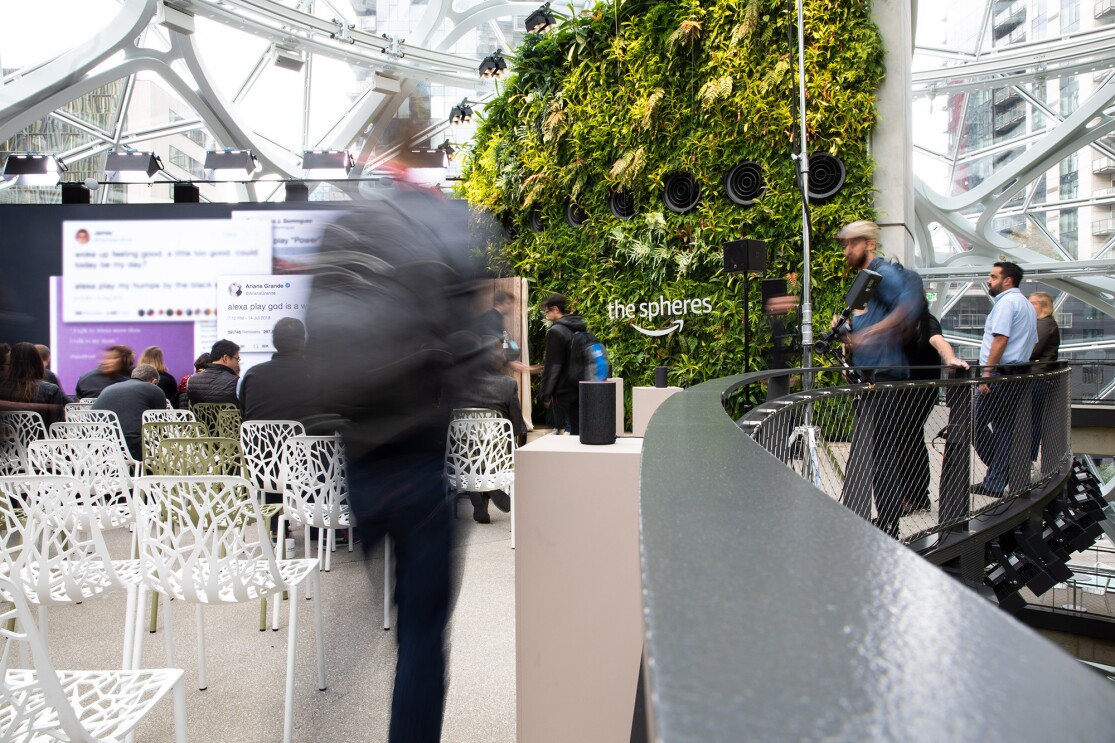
[
  {"x": 29, "y": 35},
  {"x": 100, "y": 107}
]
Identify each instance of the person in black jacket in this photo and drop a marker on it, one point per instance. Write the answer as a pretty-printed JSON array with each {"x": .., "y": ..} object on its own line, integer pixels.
[
  {"x": 153, "y": 356},
  {"x": 560, "y": 392},
  {"x": 217, "y": 381},
  {"x": 277, "y": 389},
  {"x": 22, "y": 386},
  {"x": 116, "y": 366}
]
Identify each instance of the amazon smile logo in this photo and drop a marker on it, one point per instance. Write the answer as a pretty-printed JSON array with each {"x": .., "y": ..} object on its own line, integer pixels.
[{"x": 648, "y": 312}]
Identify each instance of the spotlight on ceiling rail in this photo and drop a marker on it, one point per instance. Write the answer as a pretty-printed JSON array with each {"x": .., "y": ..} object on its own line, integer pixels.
[
  {"x": 230, "y": 165},
  {"x": 324, "y": 164},
  {"x": 540, "y": 21},
  {"x": 493, "y": 66},
  {"x": 132, "y": 166},
  {"x": 33, "y": 169},
  {"x": 461, "y": 113}
]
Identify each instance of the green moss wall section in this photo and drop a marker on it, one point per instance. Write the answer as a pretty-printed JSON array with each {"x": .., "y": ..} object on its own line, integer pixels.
[{"x": 641, "y": 90}]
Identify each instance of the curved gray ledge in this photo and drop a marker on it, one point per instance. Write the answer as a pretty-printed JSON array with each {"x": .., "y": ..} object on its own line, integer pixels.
[{"x": 774, "y": 614}]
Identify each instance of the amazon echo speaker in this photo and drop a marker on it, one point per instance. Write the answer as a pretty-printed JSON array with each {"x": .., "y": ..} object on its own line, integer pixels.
[
  {"x": 598, "y": 413},
  {"x": 661, "y": 377}
]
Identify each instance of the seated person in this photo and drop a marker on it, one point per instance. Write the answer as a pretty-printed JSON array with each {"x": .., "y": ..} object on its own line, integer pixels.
[
  {"x": 129, "y": 399},
  {"x": 277, "y": 389},
  {"x": 22, "y": 386},
  {"x": 492, "y": 388},
  {"x": 217, "y": 381},
  {"x": 116, "y": 366},
  {"x": 200, "y": 363}
]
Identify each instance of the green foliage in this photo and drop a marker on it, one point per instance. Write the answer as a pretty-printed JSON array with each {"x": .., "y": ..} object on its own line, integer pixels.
[{"x": 639, "y": 90}]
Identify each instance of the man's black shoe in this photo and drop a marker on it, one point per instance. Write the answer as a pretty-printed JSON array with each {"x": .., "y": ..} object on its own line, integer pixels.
[
  {"x": 979, "y": 489},
  {"x": 480, "y": 508},
  {"x": 501, "y": 500}
]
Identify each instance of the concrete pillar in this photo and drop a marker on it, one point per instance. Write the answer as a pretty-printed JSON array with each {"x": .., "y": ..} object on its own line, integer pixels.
[{"x": 892, "y": 141}]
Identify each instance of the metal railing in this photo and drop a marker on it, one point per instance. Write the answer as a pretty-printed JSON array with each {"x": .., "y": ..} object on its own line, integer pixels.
[{"x": 923, "y": 457}]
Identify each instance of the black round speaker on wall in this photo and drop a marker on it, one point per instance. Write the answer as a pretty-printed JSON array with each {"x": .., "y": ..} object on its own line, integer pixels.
[
  {"x": 681, "y": 192},
  {"x": 575, "y": 216},
  {"x": 621, "y": 203},
  {"x": 535, "y": 220},
  {"x": 826, "y": 176},
  {"x": 744, "y": 183}
]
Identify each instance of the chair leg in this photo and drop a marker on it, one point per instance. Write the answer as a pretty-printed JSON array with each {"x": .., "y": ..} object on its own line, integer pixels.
[
  {"x": 281, "y": 530},
  {"x": 44, "y": 626},
  {"x": 319, "y": 633},
  {"x": 200, "y": 614},
  {"x": 168, "y": 632},
  {"x": 129, "y": 626},
  {"x": 154, "y": 616},
  {"x": 263, "y": 614},
  {"x": 180, "y": 711},
  {"x": 350, "y": 539},
  {"x": 331, "y": 540},
  {"x": 291, "y": 645},
  {"x": 387, "y": 575},
  {"x": 137, "y": 641}
]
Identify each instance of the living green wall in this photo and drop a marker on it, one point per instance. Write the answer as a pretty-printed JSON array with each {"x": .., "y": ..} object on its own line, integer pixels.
[{"x": 640, "y": 90}]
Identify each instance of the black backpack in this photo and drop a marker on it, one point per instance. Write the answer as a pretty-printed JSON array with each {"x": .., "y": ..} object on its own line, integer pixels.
[{"x": 588, "y": 360}]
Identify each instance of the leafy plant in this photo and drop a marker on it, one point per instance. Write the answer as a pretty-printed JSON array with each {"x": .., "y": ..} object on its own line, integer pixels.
[{"x": 638, "y": 90}]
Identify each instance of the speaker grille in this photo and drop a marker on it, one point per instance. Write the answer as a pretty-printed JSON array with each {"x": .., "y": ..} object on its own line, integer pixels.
[
  {"x": 535, "y": 220},
  {"x": 744, "y": 183},
  {"x": 681, "y": 193},
  {"x": 826, "y": 176},
  {"x": 575, "y": 216},
  {"x": 621, "y": 203}
]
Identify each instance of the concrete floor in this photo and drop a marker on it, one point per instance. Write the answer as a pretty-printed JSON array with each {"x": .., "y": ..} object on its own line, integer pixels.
[{"x": 246, "y": 668}]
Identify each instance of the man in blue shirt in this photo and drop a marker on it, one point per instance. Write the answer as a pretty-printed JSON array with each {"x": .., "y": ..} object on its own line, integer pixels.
[
  {"x": 1009, "y": 335},
  {"x": 877, "y": 339}
]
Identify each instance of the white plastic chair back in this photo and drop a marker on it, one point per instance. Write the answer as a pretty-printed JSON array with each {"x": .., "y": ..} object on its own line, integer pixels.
[
  {"x": 13, "y": 454},
  {"x": 480, "y": 455},
  {"x": 77, "y": 406},
  {"x": 95, "y": 427},
  {"x": 25, "y": 424},
  {"x": 315, "y": 491},
  {"x": 168, "y": 415},
  {"x": 46, "y": 549},
  {"x": 474, "y": 413},
  {"x": 88, "y": 706},
  {"x": 97, "y": 463},
  {"x": 201, "y": 539},
  {"x": 262, "y": 443}
]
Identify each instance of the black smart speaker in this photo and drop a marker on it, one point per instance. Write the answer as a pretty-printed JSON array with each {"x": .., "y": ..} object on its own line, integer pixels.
[{"x": 598, "y": 413}]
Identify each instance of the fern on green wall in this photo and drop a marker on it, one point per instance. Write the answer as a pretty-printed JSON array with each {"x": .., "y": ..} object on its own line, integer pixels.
[{"x": 640, "y": 90}]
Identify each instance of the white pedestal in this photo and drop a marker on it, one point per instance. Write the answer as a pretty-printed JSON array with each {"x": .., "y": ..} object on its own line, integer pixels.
[
  {"x": 620, "y": 408},
  {"x": 578, "y": 597},
  {"x": 644, "y": 401}
]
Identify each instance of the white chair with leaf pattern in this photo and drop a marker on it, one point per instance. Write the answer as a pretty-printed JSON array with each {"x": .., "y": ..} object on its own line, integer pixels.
[
  {"x": 480, "y": 458},
  {"x": 41, "y": 703},
  {"x": 202, "y": 541}
]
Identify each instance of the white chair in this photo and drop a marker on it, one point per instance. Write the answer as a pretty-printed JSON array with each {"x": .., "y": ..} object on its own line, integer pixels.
[
  {"x": 98, "y": 464},
  {"x": 167, "y": 416},
  {"x": 315, "y": 495},
  {"x": 202, "y": 540},
  {"x": 480, "y": 457},
  {"x": 45, "y": 704},
  {"x": 262, "y": 443},
  {"x": 78, "y": 406},
  {"x": 54, "y": 555},
  {"x": 26, "y": 424},
  {"x": 18, "y": 428},
  {"x": 96, "y": 424}
]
